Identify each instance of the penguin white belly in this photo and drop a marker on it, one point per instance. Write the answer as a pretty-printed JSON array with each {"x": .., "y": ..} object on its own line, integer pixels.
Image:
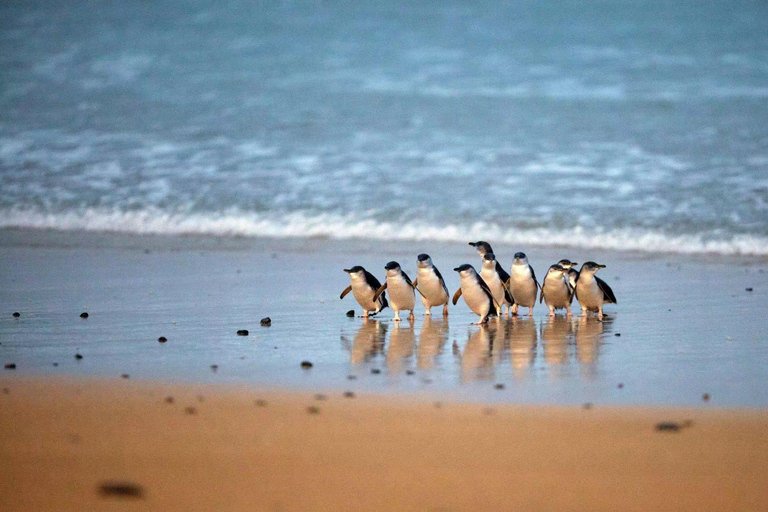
[
  {"x": 491, "y": 278},
  {"x": 476, "y": 298},
  {"x": 401, "y": 294},
  {"x": 589, "y": 294},
  {"x": 556, "y": 293},
  {"x": 364, "y": 296},
  {"x": 523, "y": 287},
  {"x": 431, "y": 288}
]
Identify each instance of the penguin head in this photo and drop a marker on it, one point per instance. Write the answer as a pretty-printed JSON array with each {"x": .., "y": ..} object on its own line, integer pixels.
[
  {"x": 465, "y": 270},
  {"x": 482, "y": 247},
  {"x": 520, "y": 258},
  {"x": 356, "y": 272},
  {"x": 591, "y": 267},
  {"x": 424, "y": 261},
  {"x": 556, "y": 270},
  {"x": 489, "y": 260},
  {"x": 567, "y": 264},
  {"x": 392, "y": 268}
]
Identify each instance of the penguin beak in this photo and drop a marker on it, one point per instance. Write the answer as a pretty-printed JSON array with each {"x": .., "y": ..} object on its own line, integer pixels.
[
  {"x": 601, "y": 266},
  {"x": 574, "y": 263},
  {"x": 347, "y": 270},
  {"x": 473, "y": 244},
  {"x": 457, "y": 269}
]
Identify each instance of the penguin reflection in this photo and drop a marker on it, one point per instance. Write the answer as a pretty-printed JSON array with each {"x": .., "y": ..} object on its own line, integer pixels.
[
  {"x": 522, "y": 344},
  {"x": 432, "y": 337},
  {"x": 477, "y": 360},
  {"x": 368, "y": 340},
  {"x": 590, "y": 332},
  {"x": 401, "y": 341},
  {"x": 555, "y": 335}
]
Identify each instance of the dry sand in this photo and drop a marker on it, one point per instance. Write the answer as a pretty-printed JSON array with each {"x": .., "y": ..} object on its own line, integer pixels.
[{"x": 62, "y": 439}]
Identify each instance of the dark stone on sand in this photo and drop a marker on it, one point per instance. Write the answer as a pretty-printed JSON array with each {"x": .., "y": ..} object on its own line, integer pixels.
[
  {"x": 409, "y": 372},
  {"x": 162, "y": 339},
  {"x": 55, "y": 364},
  {"x": 306, "y": 365},
  {"x": 705, "y": 397},
  {"x": 83, "y": 315},
  {"x": 242, "y": 332},
  {"x": 169, "y": 400},
  {"x": 125, "y": 376},
  {"x": 668, "y": 426},
  {"x": 121, "y": 490},
  {"x": 749, "y": 289},
  {"x": 499, "y": 386},
  {"x": 375, "y": 371},
  {"x": 351, "y": 313},
  {"x": 320, "y": 397},
  {"x": 78, "y": 356},
  {"x": 10, "y": 366},
  {"x": 260, "y": 403},
  {"x": 587, "y": 406},
  {"x": 620, "y": 386},
  {"x": 438, "y": 405},
  {"x": 349, "y": 394},
  {"x": 214, "y": 367},
  {"x": 190, "y": 410},
  {"x": 266, "y": 322},
  {"x": 617, "y": 334},
  {"x": 16, "y": 314},
  {"x": 313, "y": 410},
  {"x": 351, "y": 377}
]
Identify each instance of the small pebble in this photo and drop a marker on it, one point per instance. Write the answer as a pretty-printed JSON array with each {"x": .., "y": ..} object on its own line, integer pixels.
[
  {"x": 242, "y": 332},
  {"x": 55, "y": 364},
  {"x": 162, "y": 339},
  {"x": 351, "y": 377},
  {"x": 260, "y": 403},
  {"x": 121, "y": 490},
  {"x": 375, "y": 371},
  {"x": 78, "y": 356},
  {"x": 313, "y": 410},
  {"x": 617, "y": 334},
  {"x": 587, "y": 405},
  {"x": 350, "y": 313},
  {"x": 125, "y": 376},
  {"x": 320, "y": 397},
  {"x": 306, "y": 365},
  {"x": 488, "y": 411},
  {"x": 214, "y": 367},
  {"x": 266, "y": 322},
  {"x": 409, "y": 372},
  {"x": 349, "y": 394},
  {"x": 499, "y": 386},
  {"x": 16, "y": 314},
  {"x": 10, "y": 366},
  {"x": 749, "y": 289},
  {"x": 621, "y": 385},
  {"x": 668, "y": 427},
  {"x": 169, "y": 400},
  {"x": 190, "y": 410},
  {"x": 438, "y": 405},
  {"x": 83, "y": 315},
  {"x": 705, "y": 397}
]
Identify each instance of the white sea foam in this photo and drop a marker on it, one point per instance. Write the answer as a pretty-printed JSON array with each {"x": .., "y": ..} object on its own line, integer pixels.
[{"x": 304, "y": 225}]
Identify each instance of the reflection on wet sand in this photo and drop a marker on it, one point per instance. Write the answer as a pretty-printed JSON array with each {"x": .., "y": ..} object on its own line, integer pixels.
[
  {"x": 401, "y": 341},
  {"x": 476, "y": 360},
  {"x": 555, "y": 337},
  {"x": 368, "y": 340},
  {"x": 589, "y": 337},
  {"x": 432, "y": 337},
  {"x": 522, "y": 344}
]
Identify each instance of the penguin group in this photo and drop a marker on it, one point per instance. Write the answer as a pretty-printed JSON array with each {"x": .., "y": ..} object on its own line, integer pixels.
[{"x": 488, "y": 292}]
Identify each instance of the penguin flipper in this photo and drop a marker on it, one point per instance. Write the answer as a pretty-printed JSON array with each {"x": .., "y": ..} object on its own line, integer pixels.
[
  {"x": 442, "y": 281},
  {"x": 415, "y": 282},
  {"x": 379, "y": 292},
  {"x": 608, "y": 295},
  {"x": 346, "y": 291},
  {"x": 533, "y": 275},
  {"x": 456, "y": 296}
]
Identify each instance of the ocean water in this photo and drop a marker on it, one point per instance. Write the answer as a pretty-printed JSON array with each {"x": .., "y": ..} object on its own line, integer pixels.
[{"x": 619, "y": 125}]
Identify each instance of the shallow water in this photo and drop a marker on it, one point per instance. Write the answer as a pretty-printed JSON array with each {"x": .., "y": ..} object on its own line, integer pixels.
[
  {"x": 637, "y": 125},
  {"x": 686, "y": 327}
]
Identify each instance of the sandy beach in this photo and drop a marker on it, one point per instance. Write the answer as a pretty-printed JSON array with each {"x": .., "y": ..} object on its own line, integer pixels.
[{"x": 199, "y": 447}]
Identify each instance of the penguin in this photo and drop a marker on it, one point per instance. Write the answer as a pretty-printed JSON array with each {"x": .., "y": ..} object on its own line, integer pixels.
[
  {"x": 484, "y": 248},
  {"x": 476, "y": 293},
  {"x": 400, "y": 290},
  {"x": 523, "y": 285},
  {"x": 571, "y": 273},
  {"x": 591, "y": 291},
  {"x": 430, "y": 284},
  {"x": 556, "y": 290},
  {"x": 364, "y": 286},
  {"x": 495, "y": 282}
]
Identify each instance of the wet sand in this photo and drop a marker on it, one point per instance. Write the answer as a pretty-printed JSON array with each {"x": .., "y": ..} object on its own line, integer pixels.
[{"x": 79, "y": 444}]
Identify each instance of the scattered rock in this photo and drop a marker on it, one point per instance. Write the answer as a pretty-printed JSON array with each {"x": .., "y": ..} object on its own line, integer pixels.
[
  {"x": 169, "y": 400},
  {"x": 438, "y": 405},
  {"x": 375, "y": 371},
  {"x": 749, "y": 289},
  {"x": 306, "y": 365},
  {"x": 55, "y": 364},
  {"x": 587, "y": 406},
  {"x": 16, "y": 314},
  {"x": 242, "y": 332},
  {"x": 409, "y": 372},
  {"x": 121, "y": 490},
  {"x": 190, "y": 410},
  {"x": 351, "y": 313},
  {"x": 705, "y": 397},
  {"x": 125, "y": 376},
  {"x": 320, "y": 397},
  {"x": 83, "y": 315},
  {"x": 78, "y": 356},
  {"x": 617, "y": 334},
  {"x": 313, "y": 410},
  {"x": 214, "y": 367},
  {"x": 668, "y": 426},
  {"x": 266, "y": 322},
  {"x": 499, "y": 386},
  {"x": 260, "y": 403},
  {"x": 162, "y": 339},
  {"x": 621, "y": 385},
  {"x": 351, "y": 377},
  {"x": 10, "y": 366},
  {"x": 349, "y": 394}
]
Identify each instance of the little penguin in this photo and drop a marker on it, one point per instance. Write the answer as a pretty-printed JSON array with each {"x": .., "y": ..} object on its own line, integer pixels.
[
  {"x": 556, "y": 290},
  {"x": 364, "y": 286},
  {"x": 430, "y": 284},
  {"x": 495, "y": 282},
  {"x": 591, "y": 291},
  {"x": 400, "y": 288},
  {"x": 484, "y": 248},
  {"x": 476, "y": 293},
  {"x": 570, "y": 272},
  {"x": 523, "y": 285}
]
